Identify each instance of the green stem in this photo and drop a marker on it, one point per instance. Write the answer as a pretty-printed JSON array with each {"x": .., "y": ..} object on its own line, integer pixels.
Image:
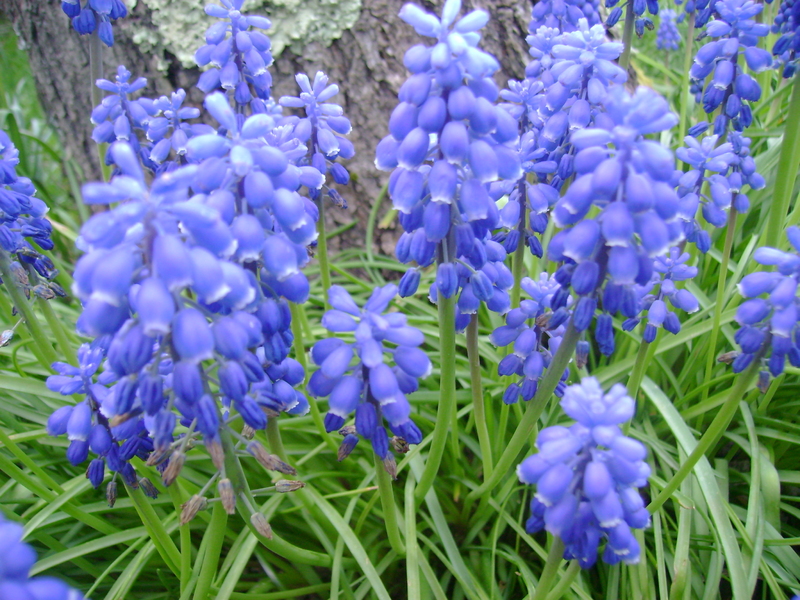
[
  {"x": 720, "y": 300},
  {"x": 186, "y": 535},
  {"x": 59, "y": 332},
  {"x": 554, "y": 558},
  {"x": 46, "y": 355},
  {"x": 627, "y": 37},
  {"x": 274, "y": 439},
  {"x": 216, "y": 535},
  {"x": 155, "y": 528},
  {"x": 322, "y": 252},
  {"x": 373, "y": 217},
  {"x": 300, "y": 355},
  {"x": 389, "y": 509},
  {"x": 479, "y": 409},
  {"x": 532, "y": 413},
  {"x": 95, "y": 73},
  {"x": 518, "y": 262},
  {"x": 714, "y": 431},
  {"x": 787, "y": 174},
  {"x": 688, "y": 58},
  {"x": 447, "y": 398},
  {"x": 566, "y": 580},
  {"x": 639, "y": 367}
]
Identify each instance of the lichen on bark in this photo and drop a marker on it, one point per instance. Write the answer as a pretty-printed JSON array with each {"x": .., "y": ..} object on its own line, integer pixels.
[{"x": 177, "y": 25}]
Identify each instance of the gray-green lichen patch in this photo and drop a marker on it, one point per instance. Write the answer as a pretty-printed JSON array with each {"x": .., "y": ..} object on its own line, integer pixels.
[{"x": 179, "y": 25}]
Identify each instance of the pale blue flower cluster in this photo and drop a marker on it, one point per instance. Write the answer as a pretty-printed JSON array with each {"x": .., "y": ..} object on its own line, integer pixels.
[
  {"x": 587, "y": 475},
  {"x": 668, "y": 36}
]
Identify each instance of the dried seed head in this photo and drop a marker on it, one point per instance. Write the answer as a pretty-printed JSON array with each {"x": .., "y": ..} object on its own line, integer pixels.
[
  {"x": 173, "y": 468},
  {"x": 248, "y": 432},
  {"x": 399, "y": 444},
  {"x": 390, "y": 465},
  {"x": 191, "y": 507},
  {"x": 346, "y": 447},
  {"x": 157, "y": 457},
  {"x": 261, "y": 526},
  {"x": 217, "y": 455},
  {"x": 111, "y": 493},
  {"x": 282, "y": 467},
  {"x": 225, "y": 489},
  {"x": 763, "y": 382},
  {"x": 260, "y": 453},
  {"x": 728, "y": 357},
  {"x": 347, "y": 430},
  {"x": 148, "y": 488},
  {"x": 288, "y": 485}
]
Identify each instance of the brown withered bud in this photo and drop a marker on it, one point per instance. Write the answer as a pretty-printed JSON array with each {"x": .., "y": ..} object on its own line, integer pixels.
[
  {"x": 271, "y": 414},
  {"x": 217, "y": 455},
  {"x": 728, "y": 357},
  {"x": 174, "y": 467},
  {"x": 120, "y": 419},
  {"x": 260, "y": 523},
  {"x": 111, "y": 493},
  {"x": 288, "y": 485},
  {"x": 347, "y": 430},
  {"x": 158, "y": 456},
  {"x": 582, "y": 354},
  {"x": 148, "y": 488},
  {"x": 44, "y": 292},
  {"x": 191, "y": 507},
  {"x": 265, "y": 459},
  {"x": 225, "y": 489},
  {"x": 282, "y": 467},
  {"x": 390, "y": 466},
  {"x": 399, "y": 444},
  {"x": 248, "y": 432},
  {"x": 543, "y": 320},
  {"x": 346, "y": 447},
  {"x": 763, "y": 382},
  {"x": 57, "y": 289},
  {"x": 20, "y": 274}
]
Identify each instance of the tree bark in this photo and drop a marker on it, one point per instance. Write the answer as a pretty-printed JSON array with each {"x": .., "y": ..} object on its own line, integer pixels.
[{"x": 366, "y": 62}]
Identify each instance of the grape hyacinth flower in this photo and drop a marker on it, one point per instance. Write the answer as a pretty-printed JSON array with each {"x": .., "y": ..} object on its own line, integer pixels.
[
  {"x": 771, "y": 311},
  {"x": 536, "y": 332},
  {"x": 563, "y": 15},
  {"x": 638, "y": 8},
  {"x": 667, "y": 270},
  {"x": 239, "y": 55},
  {"x": 627, "y": 178},
  {"x": 95, "y": 15},
  {"x": 668, "y": 36},
  {"x": 448, "y": 144},
  {"x": 586, "y": 477},
  {"x": 370, "y": 386},
  {"x": 322, "y": 129},
  {"x": 16, "y": 560},
  {"x": 23, "y": 228},
  {"x": 787, "y": 46}
]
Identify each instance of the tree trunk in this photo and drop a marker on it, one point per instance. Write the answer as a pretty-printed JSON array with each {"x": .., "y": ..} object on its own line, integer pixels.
[{"x": 365, "y": 60}]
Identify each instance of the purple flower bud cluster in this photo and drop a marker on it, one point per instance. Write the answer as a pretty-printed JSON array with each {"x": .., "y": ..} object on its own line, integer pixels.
[
  {"x": 734, "y": 33},
  {"x": 239, "y": 55},
  {"x": 536, "y": 332},
  {"x": 159, "y": 123},
  {"x": 626, "y": 177},
  {"x": 668, "y": 36},
  {"x": 22, "y": 221},
  {"x": 641, "y": 21},
  {"x": 563, "y": 15},
  {"x": 16, "y": 560},
  {"x": 667, "y": 270},
  {"x": 771, "y": 312},
  {"x": 721, "y": 168},
  {"x": 95, "y": 15},
  {"x": 787, "y": 46},
  {"x": 702, "y": 9},
  {"x": 322, "y": 130},
  {"x": 566, "y": 84},
  {"x": 370, "y": 386},
  {"x": 586, "y": 477},
  {"x": 451, "y": 148}
]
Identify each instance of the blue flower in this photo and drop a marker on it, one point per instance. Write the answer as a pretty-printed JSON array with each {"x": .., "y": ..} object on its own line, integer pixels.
[
  {"x": 771, "y": 312},
  {"x": 586, "y": 477},
  {"x": 95, "y": 15},
  {"x": 369, "y": 387},
  {"x": 16, "y": 560},
  {"x": 563, "y": 15},
  {"x": 786, "y": 47},
  {"x": 668, "y": 35}
]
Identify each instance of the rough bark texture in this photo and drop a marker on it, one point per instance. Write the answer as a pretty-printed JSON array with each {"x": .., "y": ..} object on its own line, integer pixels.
[{"x": 366, "y": 62}]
